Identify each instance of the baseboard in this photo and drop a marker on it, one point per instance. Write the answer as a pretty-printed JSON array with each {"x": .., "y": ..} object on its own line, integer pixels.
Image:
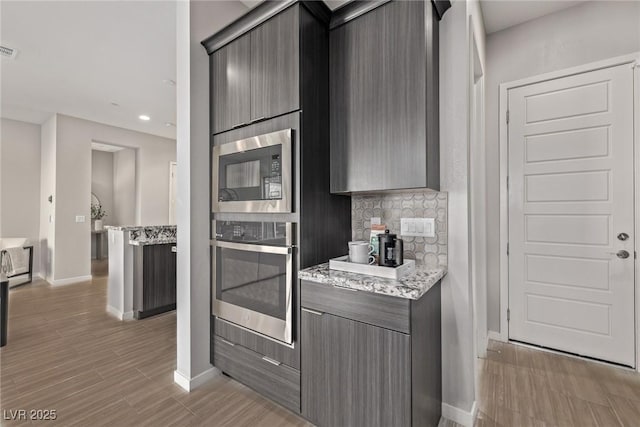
[
  {"x": 120, "y": 315},
  {"x": 458, "y": 415},
  {"x": 195, "y": 382},
  {"x": 70, "y": 280},
  {"x": 496, "y": 336}
]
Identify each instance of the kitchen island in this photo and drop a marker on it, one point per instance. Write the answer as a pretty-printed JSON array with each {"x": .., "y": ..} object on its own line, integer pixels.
[
  {"x": 142, "y": 271},
  {"x": 370, "y": 348}
]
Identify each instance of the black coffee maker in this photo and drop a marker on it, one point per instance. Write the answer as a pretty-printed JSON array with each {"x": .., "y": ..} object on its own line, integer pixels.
[{"x": 390, "y": 250}]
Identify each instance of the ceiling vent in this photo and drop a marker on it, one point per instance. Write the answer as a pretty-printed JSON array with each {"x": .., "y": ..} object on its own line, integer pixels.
[{"x": 8, "y": 52}]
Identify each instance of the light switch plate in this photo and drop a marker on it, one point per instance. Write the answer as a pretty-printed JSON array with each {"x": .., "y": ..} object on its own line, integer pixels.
[
  {"x": 79, "y": 218},
  {"x": 418, "y": 227}
]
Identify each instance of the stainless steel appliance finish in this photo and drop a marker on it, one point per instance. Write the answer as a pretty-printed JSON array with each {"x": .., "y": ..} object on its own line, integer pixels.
[
  {"x": 241, "y": 294},
  {"x": 246, "y": 175}
]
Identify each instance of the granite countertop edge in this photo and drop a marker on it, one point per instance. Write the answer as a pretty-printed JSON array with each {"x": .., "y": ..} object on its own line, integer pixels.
[
  {"x": 412, "y": 286},
  {"x": 152, "y": 242},
  {"x": 134, "y": 227}
]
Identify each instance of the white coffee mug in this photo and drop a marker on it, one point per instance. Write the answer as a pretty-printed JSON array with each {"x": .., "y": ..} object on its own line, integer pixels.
[{"x": 361, "y": 252}]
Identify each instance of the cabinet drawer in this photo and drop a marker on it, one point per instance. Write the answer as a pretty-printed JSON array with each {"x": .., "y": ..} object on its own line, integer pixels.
[
  {"x": 287, "y": 355},
  {"x": 375, "y": 309},
  {"x": 280, "y": 383}
]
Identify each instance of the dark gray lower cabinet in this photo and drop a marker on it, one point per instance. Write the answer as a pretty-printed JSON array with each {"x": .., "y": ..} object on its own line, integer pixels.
[
  {"x": 355, "y": 373},
  {"x": 154, "y": 270},
  {"x": 275, "y": 380}
]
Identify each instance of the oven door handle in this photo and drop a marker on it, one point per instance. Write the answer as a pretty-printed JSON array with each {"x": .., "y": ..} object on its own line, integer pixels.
[{"x": 281, "y": 250}]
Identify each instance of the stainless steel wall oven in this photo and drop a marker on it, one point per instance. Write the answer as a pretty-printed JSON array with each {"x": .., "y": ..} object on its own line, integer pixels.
[{"x": 252, "y": 276}]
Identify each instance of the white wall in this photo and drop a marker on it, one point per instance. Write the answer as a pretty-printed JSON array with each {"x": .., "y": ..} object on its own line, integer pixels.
[
  {"x": 20, "y": 183},
  {"x": 194, "y": 23},
  {"x": 71, "y": 253},
  {"x": 585, "y": 33},
  {"x": 124, "y": 187},
  {"x": 102, "y": 180},
  {"x": 47, "y": 189},
  {"x": 458, "y": 382}
]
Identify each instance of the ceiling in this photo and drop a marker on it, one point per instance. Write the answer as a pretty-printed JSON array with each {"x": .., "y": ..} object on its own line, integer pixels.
[
  {"x": 111, "y": 61},
  {"x": 501, "y": 14},
  {"x": 79, "y": 57}
]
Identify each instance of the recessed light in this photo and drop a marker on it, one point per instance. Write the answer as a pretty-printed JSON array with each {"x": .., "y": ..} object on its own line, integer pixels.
[
  {"x": 169, "y": 82},
  {"x": 144, "y": 117},
  {"x": 170, "y": 125}
]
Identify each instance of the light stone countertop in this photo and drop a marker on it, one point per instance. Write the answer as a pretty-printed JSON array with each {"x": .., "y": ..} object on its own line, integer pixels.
[
  {"x": 141, "y": 235},
  {"x": 153, "y": 241},
  {"x": 412, "y": 286}
]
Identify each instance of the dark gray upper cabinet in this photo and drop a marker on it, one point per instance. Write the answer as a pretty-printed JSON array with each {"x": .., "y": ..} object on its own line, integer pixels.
[
  {"x": 231, "y": 85},
  {"x": 275, "y": 66},
  {"x": 257, "y": 76},
  {"x": 384, "y": 99}
]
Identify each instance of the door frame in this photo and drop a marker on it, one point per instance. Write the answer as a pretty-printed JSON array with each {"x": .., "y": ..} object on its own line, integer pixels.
[
  {"x": 172, "y": 205},
  {"x": 633, "y": 60}
]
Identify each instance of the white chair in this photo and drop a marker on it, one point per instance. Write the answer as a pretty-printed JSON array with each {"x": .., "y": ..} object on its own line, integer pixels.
[{"x": 16, "y": 258}]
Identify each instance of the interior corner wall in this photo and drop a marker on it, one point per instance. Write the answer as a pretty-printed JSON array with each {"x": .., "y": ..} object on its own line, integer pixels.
[
  {"x": 124, "y": 187},
  {"x": 48, "y": 131},
  {"x": 458, "y": 358},
  {"x": 71, "y": 249},
  {"x": 194, "y": 23},
  {"x": 589, "y": 32},
  {"x": 20, "y": 183},
  {"x": 102, "y": 182}
]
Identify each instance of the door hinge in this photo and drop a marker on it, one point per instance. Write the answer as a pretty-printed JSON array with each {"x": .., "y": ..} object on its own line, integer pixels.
[
  {"x": 507, "y": 183},
  {"x": 507, "y": 249},
  {"x": 507, "y": 116},
  {"x": 508, "y": 314}
]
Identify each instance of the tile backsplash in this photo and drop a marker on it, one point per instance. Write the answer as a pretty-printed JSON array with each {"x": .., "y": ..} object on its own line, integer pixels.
[{"x": 390, "y": 207}]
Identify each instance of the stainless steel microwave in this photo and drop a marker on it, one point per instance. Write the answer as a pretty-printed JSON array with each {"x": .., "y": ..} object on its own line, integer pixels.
[
  {"x": 253, "y": 174},
  {"x": 252, "y": 276}
]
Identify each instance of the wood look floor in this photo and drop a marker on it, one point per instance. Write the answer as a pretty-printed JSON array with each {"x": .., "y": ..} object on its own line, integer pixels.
[
  {"x": 65, "y": 353},
  {"x": 521, "y": 386}
]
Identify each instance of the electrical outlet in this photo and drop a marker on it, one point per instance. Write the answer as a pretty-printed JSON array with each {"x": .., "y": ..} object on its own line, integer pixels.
[
  {"x": 79, "y": 218},
  {"x": 418, "y": 227},
  {"x": 375, "y": 220}
]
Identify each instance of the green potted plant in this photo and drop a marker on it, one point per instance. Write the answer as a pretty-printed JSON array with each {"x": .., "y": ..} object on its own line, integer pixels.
[{"x": 97, "y": 213}]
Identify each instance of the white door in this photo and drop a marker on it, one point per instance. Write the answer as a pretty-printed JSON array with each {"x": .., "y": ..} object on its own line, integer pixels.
[
  {"x": 172, "y": 192},
  {"x": 570, "y": 198}
]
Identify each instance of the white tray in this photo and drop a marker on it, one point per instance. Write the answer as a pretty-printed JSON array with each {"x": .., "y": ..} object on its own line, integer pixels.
[{"x": 342, "y": 263}]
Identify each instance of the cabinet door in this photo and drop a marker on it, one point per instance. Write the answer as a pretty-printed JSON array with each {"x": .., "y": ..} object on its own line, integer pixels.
[
  {"x": 159, "y": 282},
  {"x": 377, "y": 95},
  {"x": 354, "y": 374},
  {"x": 230, "y": 85},
  {"x": 275, "y": 57}
]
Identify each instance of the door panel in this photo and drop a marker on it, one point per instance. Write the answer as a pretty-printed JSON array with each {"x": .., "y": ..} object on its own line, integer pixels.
[
  {"x": 230, "y": 85},
  {"x": 570, "y": 195},
  {"x": 354, "y": 374},
  {"x": 275, "y": 59}
]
